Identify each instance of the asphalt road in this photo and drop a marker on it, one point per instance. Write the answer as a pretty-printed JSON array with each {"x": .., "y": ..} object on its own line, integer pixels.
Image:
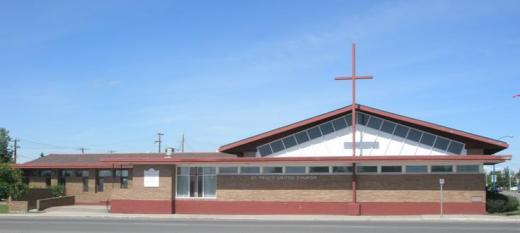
[{"x": 15, "y": 225}]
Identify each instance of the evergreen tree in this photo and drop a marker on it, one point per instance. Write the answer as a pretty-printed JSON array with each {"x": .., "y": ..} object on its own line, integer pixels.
[{"x": 6, "y": 154}]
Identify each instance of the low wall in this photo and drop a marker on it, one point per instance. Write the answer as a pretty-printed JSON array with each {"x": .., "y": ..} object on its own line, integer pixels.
[
  {"x": 55, "y": 201},
  {"x": 33, "y": 194},
  {"x": 17, "y": 206}
]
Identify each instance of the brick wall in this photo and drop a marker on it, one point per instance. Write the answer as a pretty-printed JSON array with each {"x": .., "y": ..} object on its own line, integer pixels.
[
  {"x": 140, "y": 199},
  {"x": 17, "y": 206},
  {"x": 300, "y": 188},
  {"x": 55, "y": 201},
  {"x": 33, "y": 194},
  {"x": 138, "y": 192},
  {"x": 460, "y": 188}
]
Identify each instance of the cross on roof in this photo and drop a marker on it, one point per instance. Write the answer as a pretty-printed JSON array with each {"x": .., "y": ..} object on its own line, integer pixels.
[{"x": 353, "y": 78}]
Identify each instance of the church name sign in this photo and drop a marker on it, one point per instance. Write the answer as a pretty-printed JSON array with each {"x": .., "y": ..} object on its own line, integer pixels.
[
  {"x": 151, "y": 177},
  {"x": 281, "y": 177}
]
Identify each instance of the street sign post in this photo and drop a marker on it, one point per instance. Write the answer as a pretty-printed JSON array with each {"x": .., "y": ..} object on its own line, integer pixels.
[{"x": 441, "y": 183}]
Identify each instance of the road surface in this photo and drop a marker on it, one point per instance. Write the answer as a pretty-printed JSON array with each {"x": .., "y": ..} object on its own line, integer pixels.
[{"x": 56, "y": 225}]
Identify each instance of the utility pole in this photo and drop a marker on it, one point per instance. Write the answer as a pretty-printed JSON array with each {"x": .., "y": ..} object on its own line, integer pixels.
[
  {"x": 111, "y": 151},
  {"x": 159, "y": 141},
  {"x": 82, "y": 149},
  {"x": 182, "y": 143},
  {"x": 15, "y": 151}
]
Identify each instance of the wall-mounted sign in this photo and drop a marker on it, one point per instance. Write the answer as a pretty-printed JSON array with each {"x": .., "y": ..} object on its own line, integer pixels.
[
  {"x": 151, "y": 177},
  {"x": 281, "y": 177}
]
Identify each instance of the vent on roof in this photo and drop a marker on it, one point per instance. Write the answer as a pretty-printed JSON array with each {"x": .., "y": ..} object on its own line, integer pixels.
[{"x": 170, "y": 151}]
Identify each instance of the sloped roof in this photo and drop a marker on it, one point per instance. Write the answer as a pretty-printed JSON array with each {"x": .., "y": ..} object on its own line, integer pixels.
[
  {"x": 95, "y": 160},
  {"x": 249, "y": 144}
]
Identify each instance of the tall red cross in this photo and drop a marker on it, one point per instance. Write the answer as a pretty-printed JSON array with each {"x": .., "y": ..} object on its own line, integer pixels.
[{"x": 353, "y": 78}]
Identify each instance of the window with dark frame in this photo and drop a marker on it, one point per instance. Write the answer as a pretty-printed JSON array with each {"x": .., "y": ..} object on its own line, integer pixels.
[
  {"x": 391, "y": 169},
  {"x": 318, "y": 169},
  {"x": 85, "y": 184}
]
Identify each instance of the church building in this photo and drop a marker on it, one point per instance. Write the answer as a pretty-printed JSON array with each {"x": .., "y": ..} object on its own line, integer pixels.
[
  {"x": 356, "y": 160},
  {"x": 302, "y": 168}
]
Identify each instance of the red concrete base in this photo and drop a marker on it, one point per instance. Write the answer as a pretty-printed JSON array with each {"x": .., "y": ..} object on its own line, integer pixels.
[
  {"x": 254, "y": 207},
  {"x": 141, "y": 206},
  {"x": 407, "y": 208},
  {"x": 190, "y": 206}
]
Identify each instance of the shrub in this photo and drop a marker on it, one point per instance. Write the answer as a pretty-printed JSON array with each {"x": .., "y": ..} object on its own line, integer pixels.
[
  {"x": 58, "y": 191},
  {"x": 11, "y": 183},
  {"x": 499, "y": 203}
]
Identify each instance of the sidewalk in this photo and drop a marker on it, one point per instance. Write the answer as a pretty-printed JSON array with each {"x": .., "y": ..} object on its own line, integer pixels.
[{"x": 99, "y": 212}]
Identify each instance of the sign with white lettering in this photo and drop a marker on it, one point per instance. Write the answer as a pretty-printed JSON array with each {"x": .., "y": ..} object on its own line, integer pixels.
[
  {"x": 362, "y": 145},
  {"x": 151, "y": 178}
]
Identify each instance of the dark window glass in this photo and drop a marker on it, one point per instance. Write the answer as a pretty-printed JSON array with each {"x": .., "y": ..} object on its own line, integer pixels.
[
  {"x": 85, "y": 184},
  {"x": 455, "y": 147},
  {"x": 82, "y": 173},
  {"x": 441, "y": 143},
  {"x": 314, "y": 132},
  {"x": 468, "y": 168},
  {"x": 442, "y": 168},
  {"x": 48, "y": 181},
  {"x": 348, "y": 118},
  {"x": 124, "y": 182},
  {"x": 228, "y": 170},
  {"x": 273, "y": 170},
  {"x": 391, "y": 169},
  {"x": 121, "y": 173},
  {"x": 326, "y": 128},
  {"x": 388, "y": 127},
  {"x": 320, "y": 169},
  {"x": 295, "y": 169},
  {"x": 100, "y": 184},
  {"x": 416, "y": 169},
  {"x": 46, "y": 173},
  {"x": 105, "y": 173},
  {"x": 339, "y": 123},
  {"x": 265, "y": 150},
  {"x": 301, "y": 137},
  {"x": 277, "y": 146},
  {"x": 366, "y": 169},
  {"x": 249, "y": 170},
  {"x": 61, "y": 180},
  {"x": 414, "y": 135},
  {"x": 374, "y": 123},
  {"x": 361, "y": 119},
  {"x": 427, "y": 139},
  {"x": 401, "y": 131},
  {"x": 289, "y": 141},
  {"x": 341, "y": 169}
]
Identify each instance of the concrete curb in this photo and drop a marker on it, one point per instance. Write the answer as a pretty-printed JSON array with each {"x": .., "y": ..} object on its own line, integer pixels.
[{"x": 420, "y": 218}]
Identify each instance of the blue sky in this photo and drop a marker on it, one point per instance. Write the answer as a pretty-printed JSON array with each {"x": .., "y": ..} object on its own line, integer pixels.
[{"x": 109, "y": 75}]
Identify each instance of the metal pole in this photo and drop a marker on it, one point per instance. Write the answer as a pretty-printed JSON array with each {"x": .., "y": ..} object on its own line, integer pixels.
[
  {"x": 442, "y": 202},
  {"x": 493, "y": 179},
  {"x": 441, "y": 183},
  {"x": 353, "y": 100}
]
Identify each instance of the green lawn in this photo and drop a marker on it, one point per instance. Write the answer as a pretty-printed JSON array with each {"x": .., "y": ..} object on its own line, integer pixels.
[
  {"x": 514, "y": 212},
  {"x": 3, "y": 209}
]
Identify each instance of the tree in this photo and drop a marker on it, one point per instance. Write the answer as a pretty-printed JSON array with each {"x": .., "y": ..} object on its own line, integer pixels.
[
  {"x": 11, "y": 182},
  {"x": 6, "y": 154}
]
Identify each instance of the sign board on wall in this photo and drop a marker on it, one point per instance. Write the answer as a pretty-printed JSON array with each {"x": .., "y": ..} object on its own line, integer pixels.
[{"x": 151, "y": 177}]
